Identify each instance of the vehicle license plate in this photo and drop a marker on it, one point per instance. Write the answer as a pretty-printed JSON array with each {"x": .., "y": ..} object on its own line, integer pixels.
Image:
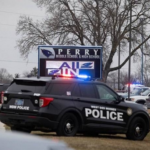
[{"x": 19, "y": 102}]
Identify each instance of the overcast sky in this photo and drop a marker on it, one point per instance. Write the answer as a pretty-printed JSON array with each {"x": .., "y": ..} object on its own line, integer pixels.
[{"x": 10, "y": 11}]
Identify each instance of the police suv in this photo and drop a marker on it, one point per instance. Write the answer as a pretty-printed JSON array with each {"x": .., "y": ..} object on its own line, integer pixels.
[{"x": 69, "y": 106}]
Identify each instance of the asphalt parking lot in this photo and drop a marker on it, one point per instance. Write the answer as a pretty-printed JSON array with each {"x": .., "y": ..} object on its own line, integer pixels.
[{"x": 2, "y": 126}]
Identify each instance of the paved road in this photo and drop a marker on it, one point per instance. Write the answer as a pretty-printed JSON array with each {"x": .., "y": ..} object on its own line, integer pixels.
[{"x": 2, "y": 126}]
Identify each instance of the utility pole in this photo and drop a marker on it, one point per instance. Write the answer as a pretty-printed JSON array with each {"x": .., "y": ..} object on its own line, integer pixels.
[
  {"x": 141, "y": 20},
  {"x": 119, "y": 69},
  {"x": 129, "y": 71},
  {"x": 119, "y": 56}
]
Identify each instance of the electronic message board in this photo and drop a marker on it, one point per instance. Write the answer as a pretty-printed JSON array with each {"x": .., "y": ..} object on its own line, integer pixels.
[{"x": 70, "y": 60}]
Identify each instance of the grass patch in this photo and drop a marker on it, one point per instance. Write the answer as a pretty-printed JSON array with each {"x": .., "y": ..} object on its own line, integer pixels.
[
  {"x": 104, "y": 142},
  {"x": 101, "y": 142}
]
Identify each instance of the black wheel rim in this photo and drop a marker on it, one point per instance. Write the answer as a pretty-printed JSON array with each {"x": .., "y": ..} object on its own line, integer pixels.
[
  {"x": 69, "y": 127},
  {"x": 138, "y": 130}
]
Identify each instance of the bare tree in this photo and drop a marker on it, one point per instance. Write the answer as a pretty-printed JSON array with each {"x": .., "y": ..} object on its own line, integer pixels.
[
  {"x": 124, "y": 78},
  {"x": 34, "y": 72},
  {"x": 90, "y": 22},
  {"x": 146, "y": 72},
  {"x": 25, "y": 74},
  {"x": 112, "y": 80},
  {"x": 17, "y": 75},
  {"x": 3, "y": 73},
  {"x": 5, "y": 77}
]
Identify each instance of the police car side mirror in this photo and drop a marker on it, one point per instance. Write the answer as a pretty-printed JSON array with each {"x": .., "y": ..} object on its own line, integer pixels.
[{"x": 120, "y": 98}]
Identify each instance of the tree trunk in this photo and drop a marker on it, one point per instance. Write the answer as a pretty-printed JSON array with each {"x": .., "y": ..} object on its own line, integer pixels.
[{"x": 104, "y": 75}]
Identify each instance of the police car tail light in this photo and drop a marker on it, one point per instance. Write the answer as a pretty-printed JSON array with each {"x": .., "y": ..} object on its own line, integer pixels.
[
  {"x": 44, "y": 101},
  {"x": 2, "y": 96}
]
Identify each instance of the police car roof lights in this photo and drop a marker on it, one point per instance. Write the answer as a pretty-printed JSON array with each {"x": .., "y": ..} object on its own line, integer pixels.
[
  {"x": 66, "y": 75},
  {"x": 78, "y": 76},
  {"x": 134, "y": 84},
  {"x": 83, "y": 76},
  {"x": 71, "y": 76}
]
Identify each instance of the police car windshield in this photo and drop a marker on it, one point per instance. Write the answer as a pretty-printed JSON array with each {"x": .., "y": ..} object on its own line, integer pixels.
[
  {"x": 3, "y": 87},
  {"x": 136, "y": 91},
  {"x": 146, "y": 92}
]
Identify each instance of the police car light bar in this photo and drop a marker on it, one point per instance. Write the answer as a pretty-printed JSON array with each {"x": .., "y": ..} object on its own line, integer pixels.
[
  {"x": 83, "y": 76},
  {"x": 78, "y": 76},
  {"x": 66, "y": 75},
  {"x": 72, "y": 76},
  {"x": 86, "y": 77},
  {"x": 134, "y": 84}
]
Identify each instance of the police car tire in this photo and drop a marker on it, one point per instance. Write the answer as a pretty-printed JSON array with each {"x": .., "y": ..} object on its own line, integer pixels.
[
  {"x": 20, "y": 129},
  {"x": 132, "y": 134},
  {"x": 68, "y": 125}
]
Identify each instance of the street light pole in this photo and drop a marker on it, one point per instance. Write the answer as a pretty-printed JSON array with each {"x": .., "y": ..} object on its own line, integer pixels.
[
  {"x": 119, "y": 69},
  {"x": 141, "y": 20},
  {"x": 119, "y": 56},
  {"x": 129, "y": 72}
]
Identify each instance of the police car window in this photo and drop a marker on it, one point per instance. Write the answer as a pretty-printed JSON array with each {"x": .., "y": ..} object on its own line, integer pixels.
[
  {"x": 105, "y": 93},
  {"x": 76, "y": 91},
  {"x": 59, "y": 89},
  {"x": 87, "y": 90},
  {"x": 27, "y": 86},
  {"x": 1, "y": 88},
  {"x": 5, "y": 87}
]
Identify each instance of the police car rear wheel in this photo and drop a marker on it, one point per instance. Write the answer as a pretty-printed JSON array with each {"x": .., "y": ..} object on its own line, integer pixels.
[
  {"x": 137, "y": 130},
  {"x": 68, "y": 125}
]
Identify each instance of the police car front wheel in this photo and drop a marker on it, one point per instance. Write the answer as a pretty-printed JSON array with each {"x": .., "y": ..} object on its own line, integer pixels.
[
  {"x": 68, "y": 125},
  {"x": 138, "y": 129}
]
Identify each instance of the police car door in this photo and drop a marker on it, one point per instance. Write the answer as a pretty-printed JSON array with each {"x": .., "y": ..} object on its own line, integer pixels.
[
  {"x": 109, "y": 113},
  {"x": 85, "y": 98}
]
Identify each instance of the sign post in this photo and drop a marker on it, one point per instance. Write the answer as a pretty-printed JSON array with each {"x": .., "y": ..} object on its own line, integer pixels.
[{"x": 70, "y": 60}]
